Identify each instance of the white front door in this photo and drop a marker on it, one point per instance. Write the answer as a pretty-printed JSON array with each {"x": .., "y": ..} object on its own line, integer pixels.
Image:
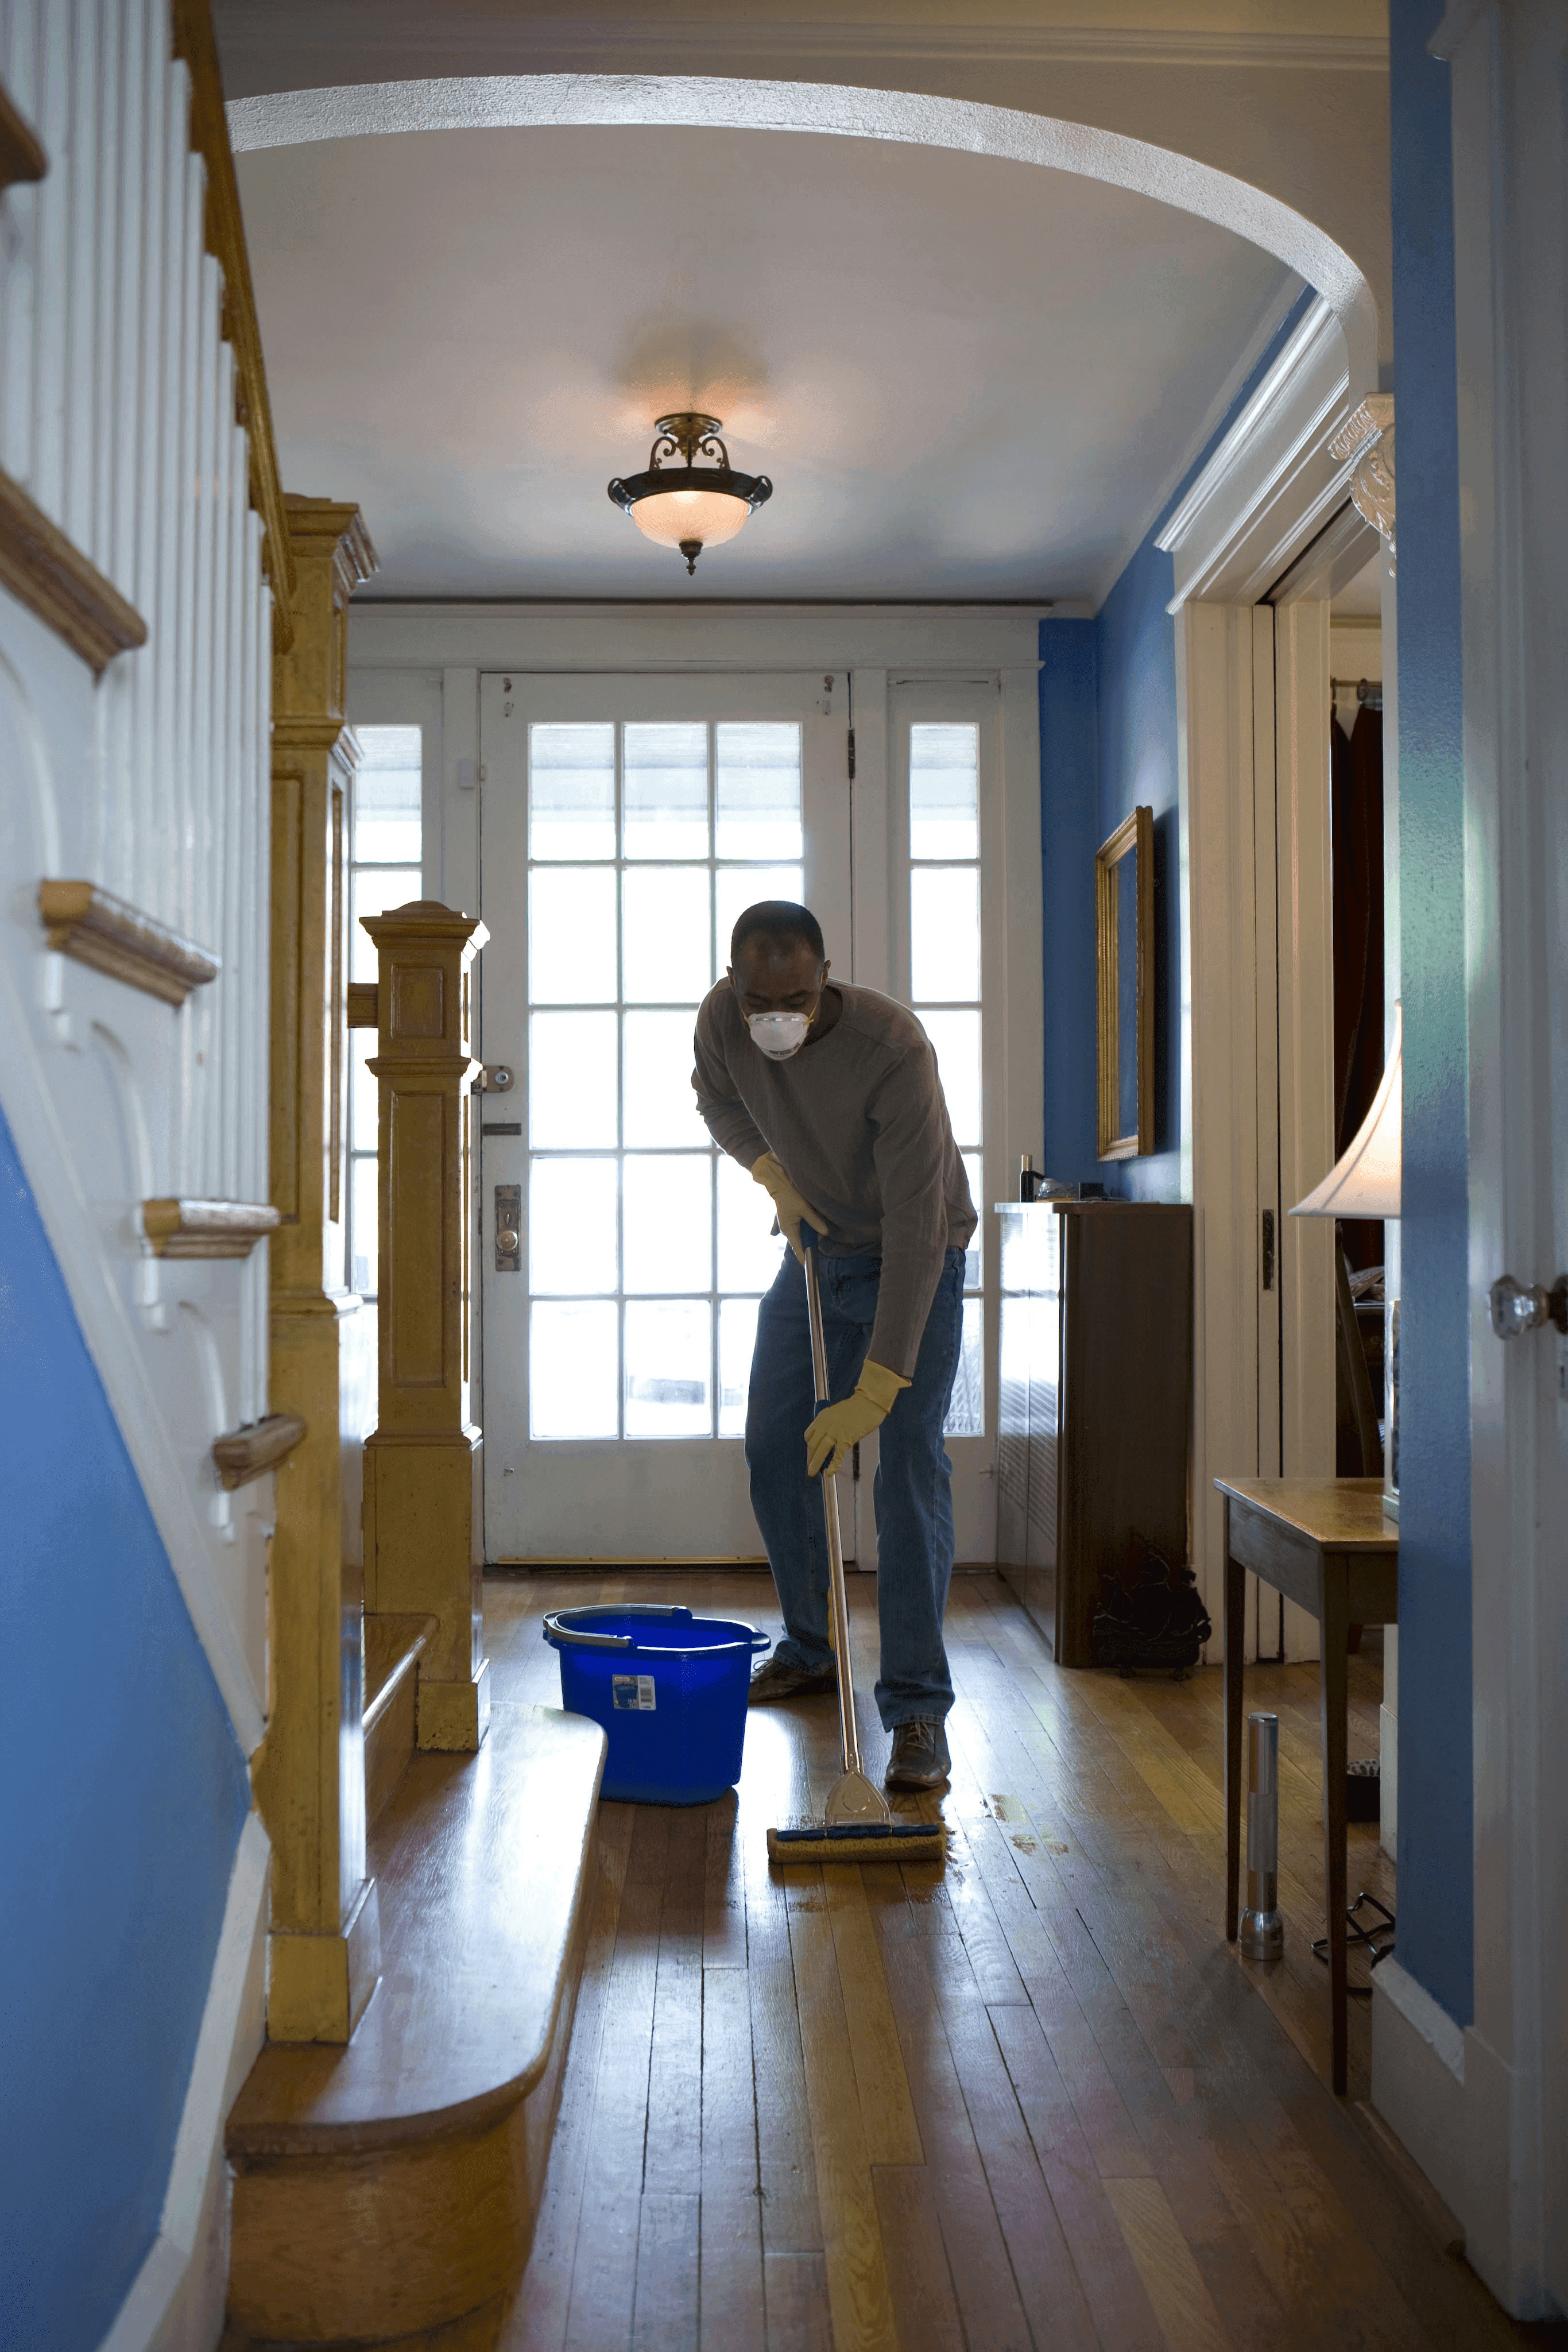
[{"x": 626, "y": 822}]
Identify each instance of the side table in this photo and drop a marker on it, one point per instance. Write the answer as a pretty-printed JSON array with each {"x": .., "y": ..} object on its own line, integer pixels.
[{"x": 1325, "y": 1544}]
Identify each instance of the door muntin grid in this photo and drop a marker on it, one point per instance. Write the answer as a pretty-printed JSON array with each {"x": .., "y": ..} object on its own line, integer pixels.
[{"x": 647, "y": 1248}]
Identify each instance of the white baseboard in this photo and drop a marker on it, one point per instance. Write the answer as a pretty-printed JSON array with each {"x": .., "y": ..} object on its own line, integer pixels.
[
  {"x": 176, "y": 2300},
  {"x": 1419, "y": 2081}
]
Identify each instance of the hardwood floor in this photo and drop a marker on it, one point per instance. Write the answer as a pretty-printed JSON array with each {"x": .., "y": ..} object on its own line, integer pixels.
[{"x": 1031, "y": 2100}]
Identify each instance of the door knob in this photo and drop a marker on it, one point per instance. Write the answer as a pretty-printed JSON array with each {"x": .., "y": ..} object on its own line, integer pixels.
[{"x": 1516, "y": 1308}]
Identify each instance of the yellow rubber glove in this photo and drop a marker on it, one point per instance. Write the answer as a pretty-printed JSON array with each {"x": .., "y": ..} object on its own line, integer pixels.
[
  {"x": 839, "y": 1428},
  {"x": 787, "y": 1203}
]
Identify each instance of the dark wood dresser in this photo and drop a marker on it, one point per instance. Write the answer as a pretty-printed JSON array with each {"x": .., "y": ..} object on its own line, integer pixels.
[{"x": 1096, "y": 1400}]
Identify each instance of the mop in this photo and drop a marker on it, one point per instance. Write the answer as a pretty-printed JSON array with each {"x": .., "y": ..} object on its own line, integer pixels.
[{"x": 859, "y": 1825}]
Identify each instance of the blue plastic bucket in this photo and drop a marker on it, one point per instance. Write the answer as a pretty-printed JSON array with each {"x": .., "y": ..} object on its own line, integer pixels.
[{"x": 668, "y": 1690}]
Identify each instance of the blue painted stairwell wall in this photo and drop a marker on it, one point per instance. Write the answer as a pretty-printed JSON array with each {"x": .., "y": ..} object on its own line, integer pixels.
[{"x": 125, "y": 1793}]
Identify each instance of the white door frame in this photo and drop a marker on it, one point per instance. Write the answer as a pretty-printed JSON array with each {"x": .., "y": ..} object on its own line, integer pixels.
[
  {"x": 1258, "y": 1027},
  {"x": 1484, "y": 2111},
  {"x": 880, "y": 647}
]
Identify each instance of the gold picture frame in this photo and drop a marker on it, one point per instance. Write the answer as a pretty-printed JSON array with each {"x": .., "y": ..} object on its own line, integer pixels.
[{"x": 1125, "y": 961}]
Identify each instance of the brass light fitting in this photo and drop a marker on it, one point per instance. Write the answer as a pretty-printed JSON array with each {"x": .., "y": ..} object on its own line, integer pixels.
[{"x": 689, "y": 505}]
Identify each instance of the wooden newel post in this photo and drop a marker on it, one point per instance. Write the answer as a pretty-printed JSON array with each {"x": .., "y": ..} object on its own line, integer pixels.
[{"x": 421, "y": 1515}]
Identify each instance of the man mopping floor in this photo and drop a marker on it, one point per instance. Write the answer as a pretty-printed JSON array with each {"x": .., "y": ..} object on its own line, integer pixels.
[{"x": 830, "y": 1095}]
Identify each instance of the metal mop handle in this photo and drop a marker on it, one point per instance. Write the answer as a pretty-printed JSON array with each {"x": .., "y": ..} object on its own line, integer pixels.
[{"x": 838, "y": 1606}]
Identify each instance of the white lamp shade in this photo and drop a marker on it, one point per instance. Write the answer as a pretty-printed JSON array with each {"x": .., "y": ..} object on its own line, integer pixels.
[
  {"x": 1365, "y": 1180},
  {"x": 708, "y": 516}
]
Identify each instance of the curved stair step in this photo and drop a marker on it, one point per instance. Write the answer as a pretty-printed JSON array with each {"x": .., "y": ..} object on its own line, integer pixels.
[{"x": 389, "y": 2186}]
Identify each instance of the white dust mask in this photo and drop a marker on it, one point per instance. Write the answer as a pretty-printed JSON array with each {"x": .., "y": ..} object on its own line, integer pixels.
[{"x": 779, "y": 1036}]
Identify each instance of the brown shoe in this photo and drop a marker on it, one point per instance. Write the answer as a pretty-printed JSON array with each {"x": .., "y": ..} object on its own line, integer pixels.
[
  {"x": 920, "y": 1758},
  {"x": 779, "y": 1679}
]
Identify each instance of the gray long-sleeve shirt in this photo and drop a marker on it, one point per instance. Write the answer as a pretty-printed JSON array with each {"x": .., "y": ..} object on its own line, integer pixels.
[{"x": 859, "y": 1124}]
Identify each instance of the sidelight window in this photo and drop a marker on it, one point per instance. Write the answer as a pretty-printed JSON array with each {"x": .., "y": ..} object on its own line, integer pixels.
[{"x": 385, "y": 850}]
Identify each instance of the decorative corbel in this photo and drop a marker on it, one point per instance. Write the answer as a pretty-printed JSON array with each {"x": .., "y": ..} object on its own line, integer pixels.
[{"x": 1367, "y": 438}]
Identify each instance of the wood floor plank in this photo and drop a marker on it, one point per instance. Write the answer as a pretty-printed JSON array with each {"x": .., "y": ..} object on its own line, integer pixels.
[
  {"x": 858, "y": 2291},
  {"x": 724, "y": 1893},
  {"x": 799, "y": 2319},
  {"x": 664, "y": 2316},
  {"x": 732, "y": 2313},
  {"x": 925, "y": 2306},
  {"x": 1113, "y": 2285},
  {"x": 1175, "y": 2283},
  {"x": 673, "y": 2154},
  {"x": 537, "y": 2319},
  {"x": 887, "y": 2114},
  {"x": 605, "y": 2273}
]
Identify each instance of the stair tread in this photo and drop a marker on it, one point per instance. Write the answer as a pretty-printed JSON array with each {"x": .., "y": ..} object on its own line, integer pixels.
[
  {"x": 480, "y": 1862},
  {"x": 394, "y": 1639}
]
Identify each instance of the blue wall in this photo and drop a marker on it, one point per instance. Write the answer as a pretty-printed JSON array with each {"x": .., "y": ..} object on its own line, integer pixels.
[
  {"x": 1434, "y": 1754},
  {"x": 125, "y": 1793},
  {"x": 1107, "y": 746}
]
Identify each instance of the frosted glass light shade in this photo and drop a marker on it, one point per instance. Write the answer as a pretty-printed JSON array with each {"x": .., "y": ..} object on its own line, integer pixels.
[
  {"x": 1365, "y": 1180},
  {"x": 671, "y": 516}
]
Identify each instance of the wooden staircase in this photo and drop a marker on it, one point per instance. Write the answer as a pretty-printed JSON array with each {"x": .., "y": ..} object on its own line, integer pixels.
[{"x": 386, "y": 2189}]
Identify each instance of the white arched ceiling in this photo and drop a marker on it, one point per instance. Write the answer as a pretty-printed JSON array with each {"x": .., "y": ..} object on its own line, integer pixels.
[{"x": 505, "y": 101}]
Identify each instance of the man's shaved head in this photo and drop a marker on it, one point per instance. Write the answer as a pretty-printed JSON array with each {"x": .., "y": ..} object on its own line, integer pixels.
[{"x": 777, "y": 925}]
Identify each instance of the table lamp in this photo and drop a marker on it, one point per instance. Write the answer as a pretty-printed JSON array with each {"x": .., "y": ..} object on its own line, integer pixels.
[{"x": 1364, "y": 1183}]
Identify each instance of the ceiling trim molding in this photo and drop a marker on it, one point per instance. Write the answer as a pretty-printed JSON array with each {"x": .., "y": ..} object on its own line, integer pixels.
[
  {"x": 1272, "y": 484},
  {"x": 514, "y": 101}
]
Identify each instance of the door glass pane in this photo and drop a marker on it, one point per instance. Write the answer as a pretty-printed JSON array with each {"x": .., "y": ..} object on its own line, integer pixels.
[
  {"x": 571, "y": 791},
  {"x": 571, "y": 935},
  {"x": 667, "y": 1204},
  {"x": 365, "y": 1206},
  {"x": 660, "y": 1106},
  {"x": 387, "y": 829},
  {"x": 756, "y": 793},
  {"x": 944, "y": 790},
  {"x": 571, "y": 1081},
  {"x": 377, "y": 889},
  {"x": 972, "y": 1260},
  {"x": 736, "y": 887},
  {"x": 364, "y": 1093},
  {"x": 956, "y": 1038},
  {"x": 665, "y": 949},
  {"x": 966, "y": 1407},
  {"x": 665, "y": 788},
  {"x": 572, "y": 1368},
  {"x": 736, "y": 1339},
  {"x": 573, "y": 1206},
  {"x": 748, "y": 1254},
  {"x": 945, "y": 933},
  {"x": 669, "y": 1344}
]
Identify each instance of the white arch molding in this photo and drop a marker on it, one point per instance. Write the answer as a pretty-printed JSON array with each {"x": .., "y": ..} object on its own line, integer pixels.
[{"x": 519, "y": 101}]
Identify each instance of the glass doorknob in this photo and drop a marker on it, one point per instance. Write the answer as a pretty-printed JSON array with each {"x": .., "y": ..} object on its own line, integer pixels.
[{"x": 1516, "y": 1307}]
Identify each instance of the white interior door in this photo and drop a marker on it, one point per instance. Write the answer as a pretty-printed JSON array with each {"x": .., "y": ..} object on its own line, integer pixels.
[{"x": 625, "y": 823}]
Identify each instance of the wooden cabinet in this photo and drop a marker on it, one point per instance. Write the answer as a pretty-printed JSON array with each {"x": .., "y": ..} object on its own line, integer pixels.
[{"x": 1096, "y": 1401}]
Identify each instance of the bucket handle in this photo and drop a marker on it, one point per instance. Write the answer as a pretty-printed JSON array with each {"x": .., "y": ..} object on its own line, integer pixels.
[{"x": 574, "y": 1635}]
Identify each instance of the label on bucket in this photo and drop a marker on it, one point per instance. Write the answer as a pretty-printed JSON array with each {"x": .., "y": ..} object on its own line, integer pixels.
[{"x": 633, "y": 1691}]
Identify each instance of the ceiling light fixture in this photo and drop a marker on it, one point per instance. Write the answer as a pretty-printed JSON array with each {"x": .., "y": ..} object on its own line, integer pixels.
[{"x": 688, "y": 506}]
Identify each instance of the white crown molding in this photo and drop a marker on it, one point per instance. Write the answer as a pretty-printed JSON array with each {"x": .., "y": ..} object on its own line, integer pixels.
[
  {"x": 177, "y": 2295},
  {"x": 1273, "y": 483},
  {"x": 511, "y": 101},
  {"x": 556, "y": 37}
]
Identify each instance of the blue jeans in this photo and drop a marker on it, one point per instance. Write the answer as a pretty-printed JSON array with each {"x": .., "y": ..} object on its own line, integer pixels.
[{"x": 913, "y": 1492}]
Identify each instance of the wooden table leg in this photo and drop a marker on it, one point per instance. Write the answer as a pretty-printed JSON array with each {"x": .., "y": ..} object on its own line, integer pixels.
[
  {"x": 1235, "y": 1628},
  {"x": 1334, "y": 1695}
]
